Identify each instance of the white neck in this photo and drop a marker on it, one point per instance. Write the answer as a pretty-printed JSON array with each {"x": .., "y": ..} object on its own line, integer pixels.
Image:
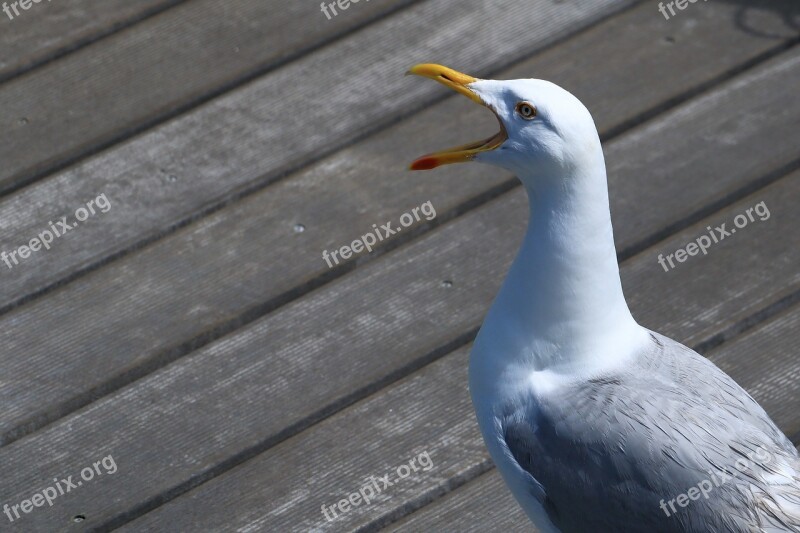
[{"x": 561, "y": 307}]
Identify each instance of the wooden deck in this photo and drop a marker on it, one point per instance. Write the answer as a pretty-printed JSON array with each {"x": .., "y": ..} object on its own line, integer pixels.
[{"x": 193, "y": 331}]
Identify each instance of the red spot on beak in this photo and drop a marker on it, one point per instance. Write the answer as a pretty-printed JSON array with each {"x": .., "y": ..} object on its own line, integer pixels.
[{"x": 424, "y": 163}]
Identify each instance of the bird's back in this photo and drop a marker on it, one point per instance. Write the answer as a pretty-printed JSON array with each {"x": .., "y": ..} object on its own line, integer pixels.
[{"x": 669, "y": 444}]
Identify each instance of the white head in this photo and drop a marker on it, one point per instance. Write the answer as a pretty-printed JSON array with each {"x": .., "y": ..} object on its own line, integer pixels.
[{"x": 545, "y": 130}]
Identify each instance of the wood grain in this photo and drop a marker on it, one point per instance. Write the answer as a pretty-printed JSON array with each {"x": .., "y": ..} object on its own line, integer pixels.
[
  {"x": 238, "y": 380},
  {"x": 243, "y": 139},
  {"x": 483, "y": 503},
  {"x": 708, "y": 46},
  {"x": 47, "y": 31},
  {"x": 189, "y": 54},
  {"x": 133, "y": 315},
  {"x": 247, "y": 392}
]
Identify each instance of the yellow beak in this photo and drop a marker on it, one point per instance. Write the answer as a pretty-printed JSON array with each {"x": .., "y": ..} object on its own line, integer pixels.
[{"x": 458, "y": 82}]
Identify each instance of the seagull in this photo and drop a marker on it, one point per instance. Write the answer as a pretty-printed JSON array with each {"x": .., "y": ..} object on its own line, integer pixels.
[{"x": 596, "y": 423}]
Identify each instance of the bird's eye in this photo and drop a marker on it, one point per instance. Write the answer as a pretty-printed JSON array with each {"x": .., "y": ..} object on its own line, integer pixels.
[{"x": 526, "y": 110}]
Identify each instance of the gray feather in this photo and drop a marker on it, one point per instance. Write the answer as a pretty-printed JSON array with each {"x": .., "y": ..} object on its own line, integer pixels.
[{"x": 606, "y": 452}]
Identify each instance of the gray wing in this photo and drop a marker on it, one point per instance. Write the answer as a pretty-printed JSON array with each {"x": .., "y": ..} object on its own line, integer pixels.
[{"x": 615, "y": 453}]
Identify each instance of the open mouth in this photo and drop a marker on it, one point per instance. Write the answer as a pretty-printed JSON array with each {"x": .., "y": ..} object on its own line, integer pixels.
[{"x": 458, "y": 82}]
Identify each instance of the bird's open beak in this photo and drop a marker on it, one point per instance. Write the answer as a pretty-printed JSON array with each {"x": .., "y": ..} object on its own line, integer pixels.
[{"x": 460, "y": 83}]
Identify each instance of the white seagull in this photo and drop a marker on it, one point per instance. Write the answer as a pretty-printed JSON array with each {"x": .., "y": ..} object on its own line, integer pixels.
[{"x": 596, "y": 423}]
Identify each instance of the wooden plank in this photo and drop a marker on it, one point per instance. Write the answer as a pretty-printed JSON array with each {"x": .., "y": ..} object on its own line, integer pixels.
[
  {"x": 429, "y": 412},
  {"x": 484, "y": 502},
  {"x": 46, "y": 32},
  {"x": 248, "y": 392},
  {"x": 132, "y": 198},
  {"x": 240, "y": 141},
  {"x": 763, "y": 361},
  {"x": 147, "y": 201},
  {"x": 130, "y": 320},
  {"x": 768, "y": 356},
  {"x": 24, "y": 214},
  {"x": 86, "y": 101}
]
